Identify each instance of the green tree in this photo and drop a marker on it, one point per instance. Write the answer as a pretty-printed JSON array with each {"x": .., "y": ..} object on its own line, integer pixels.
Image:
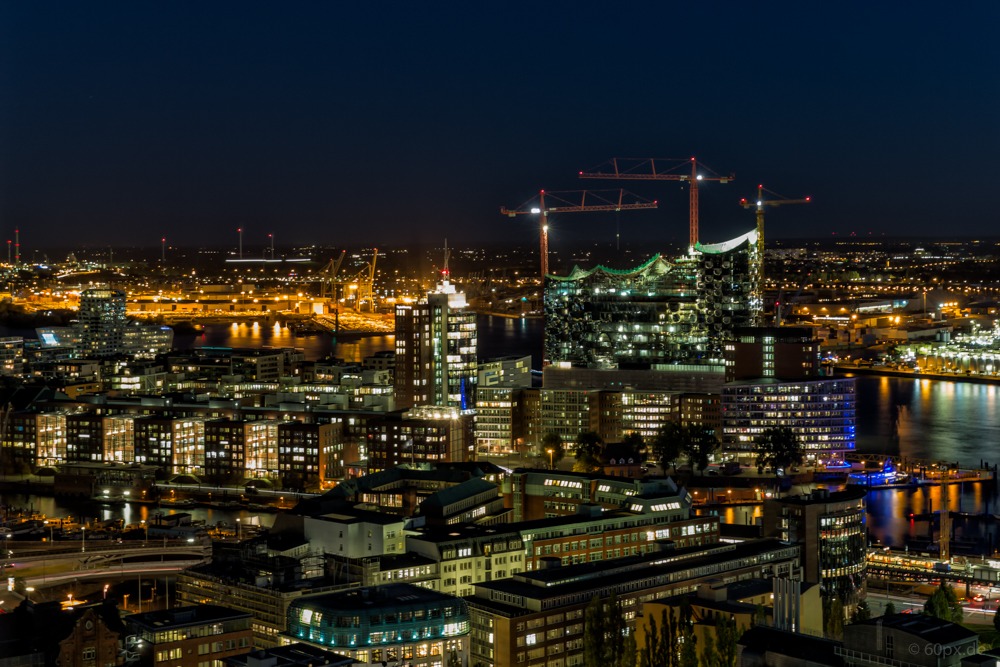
[
  {"x": 636, "y": 446},
  {"x": 861, "y": 613},
  {"x": 454, "y": 660},
  {"x": 777, "y": 448},
  {"x": 553, "y": 441},
  {"x": 668, "y": 444},
  {"x": 20, "y": 587},
  {"x": 760, "y": 618},
  {"x": 588, "y": 450},
  {"x": 689, "y": 652},
  {"x": 668, "y": 644},
  {"x": 651, "y": 651},
  {"x": 944, "y": 604},
  {"x": 726, "y": 638},
  {"x": 835, "y": 623},
  {"x": 630, "y": 652},
  {"x": 614, "y": 630},
  {"x": 890, "y": 609},
  {"x": 594, "y": 647},
  {"x": 699, "y": 446},
  {"x": 709, "y": 656}
]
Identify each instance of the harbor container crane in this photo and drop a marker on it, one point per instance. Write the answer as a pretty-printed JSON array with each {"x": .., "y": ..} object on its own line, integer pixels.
[
  {"x": 645, "y": 169},
  {"x": 328, "y": 275},
  {"x": 601, "y": 200}
]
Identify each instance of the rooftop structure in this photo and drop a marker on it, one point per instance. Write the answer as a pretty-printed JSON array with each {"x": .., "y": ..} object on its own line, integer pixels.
[
  {"x": 392, "y": 622},
  {"x": 291, "y": 655}
]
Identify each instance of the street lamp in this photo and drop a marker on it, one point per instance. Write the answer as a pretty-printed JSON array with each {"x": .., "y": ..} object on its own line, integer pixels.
[
  {"x": 145, "y": 527},
  {"x": 550, "y": 458},
  {"x": 83, "y": 536},
  {"x": 239, "y": 530}
]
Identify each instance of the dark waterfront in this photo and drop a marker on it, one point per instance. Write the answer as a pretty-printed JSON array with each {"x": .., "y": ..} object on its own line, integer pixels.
[{"x": 498, "y": 336}]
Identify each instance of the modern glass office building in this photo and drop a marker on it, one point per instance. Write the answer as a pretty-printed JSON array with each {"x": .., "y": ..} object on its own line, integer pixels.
[{"x": 389, "y": 623}]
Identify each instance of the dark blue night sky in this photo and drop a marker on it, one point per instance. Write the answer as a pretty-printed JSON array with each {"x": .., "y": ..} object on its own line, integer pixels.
[{"x": 336, "y": 122}]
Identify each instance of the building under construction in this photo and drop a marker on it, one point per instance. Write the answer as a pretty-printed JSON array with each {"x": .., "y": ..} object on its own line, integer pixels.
[{"x": 659, "y": 313}]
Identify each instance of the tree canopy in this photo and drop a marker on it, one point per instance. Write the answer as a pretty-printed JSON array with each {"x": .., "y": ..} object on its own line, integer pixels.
[
  {"x": 777, "y": 448},
  {"x": 554, "y": 441},
  {"x": 587, "y": 452}
]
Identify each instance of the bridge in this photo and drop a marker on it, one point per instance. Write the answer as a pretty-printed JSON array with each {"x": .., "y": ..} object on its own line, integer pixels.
[
  {"x": 27, "y": 554},
  {"x": 106, "y": 571}
]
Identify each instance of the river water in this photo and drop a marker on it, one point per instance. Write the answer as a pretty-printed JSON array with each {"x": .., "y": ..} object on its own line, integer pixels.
[{"x": 916, "y": 418}]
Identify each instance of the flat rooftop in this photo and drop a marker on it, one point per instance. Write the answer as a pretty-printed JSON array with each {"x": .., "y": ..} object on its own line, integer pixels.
[
  {"x": 198, "y": 614},
  {"x": 576, "y": 579}
]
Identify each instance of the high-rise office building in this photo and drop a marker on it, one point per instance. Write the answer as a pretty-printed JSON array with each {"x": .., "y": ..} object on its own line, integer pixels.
[
  {"x": 102, "y": 329},
  {"x": 102, "y": 322},
  {"x": 773, "y": 380},
  {"x": 436, "y": 351},
  {"x": 759, "y": 352}
]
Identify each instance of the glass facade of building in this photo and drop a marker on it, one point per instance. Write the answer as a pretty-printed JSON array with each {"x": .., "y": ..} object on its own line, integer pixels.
[
  {"x": 822, "y": 414},
  {"x": 605, "y": 318},
  {"x": 391, "y": 623},
  {"x": 730, "y": 282},
  {"x": 842, "y": 552},
  {"x": 661, "y": 312}
]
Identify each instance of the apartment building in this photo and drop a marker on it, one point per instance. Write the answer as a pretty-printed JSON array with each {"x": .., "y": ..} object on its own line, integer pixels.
[
  {"x": 191, "y": 636},
  {"x": 539, "y": 494},
  {"x": 537, "y": 617}
]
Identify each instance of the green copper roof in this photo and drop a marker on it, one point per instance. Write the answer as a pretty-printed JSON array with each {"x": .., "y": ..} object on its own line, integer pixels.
[{"x": 577, "y": 273}]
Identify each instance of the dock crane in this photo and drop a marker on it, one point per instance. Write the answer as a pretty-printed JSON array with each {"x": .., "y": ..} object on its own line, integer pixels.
[
  {"x": 607, "y": 200},
  {"x": 366, "y": 283},
  {"x": 328, "y": 275},
  {"x": 643, "y": 169}
]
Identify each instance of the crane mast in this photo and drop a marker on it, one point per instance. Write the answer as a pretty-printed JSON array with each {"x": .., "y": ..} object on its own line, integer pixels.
[
  {"x": 761, "y": 203},
  {"x": 644, "y": 169},
  {"x": 607, "y": 200}
]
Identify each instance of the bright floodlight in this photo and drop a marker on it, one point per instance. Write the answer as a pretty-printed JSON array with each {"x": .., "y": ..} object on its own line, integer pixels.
[
  {"x": 758, "y": 203},
  {"x": 699, "y": 177},
  {"x": 536, "y": 210},
  {"x": 545, "y": 228}
]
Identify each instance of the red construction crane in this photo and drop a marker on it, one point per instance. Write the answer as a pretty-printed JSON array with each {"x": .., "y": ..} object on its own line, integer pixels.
[
  {"x": 607, "y": 200},
  {"x": 644, "y": 169}
]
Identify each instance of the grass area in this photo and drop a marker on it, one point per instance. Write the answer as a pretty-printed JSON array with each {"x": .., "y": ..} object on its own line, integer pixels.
[{"x": 987, "y": 635}]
